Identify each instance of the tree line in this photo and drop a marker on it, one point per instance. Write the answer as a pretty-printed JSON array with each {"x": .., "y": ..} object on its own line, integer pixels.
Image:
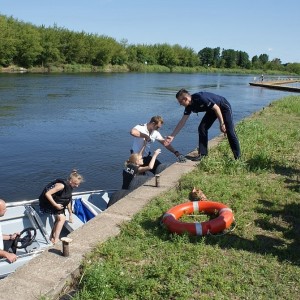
[{"x": 27, "y": 45}]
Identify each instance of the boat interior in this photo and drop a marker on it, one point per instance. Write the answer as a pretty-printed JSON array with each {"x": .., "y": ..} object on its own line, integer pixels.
[{"x": 35, "y": 228}]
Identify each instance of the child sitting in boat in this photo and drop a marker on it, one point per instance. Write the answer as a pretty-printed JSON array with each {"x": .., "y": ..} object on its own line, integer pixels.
[
  {"x": 135, "y": 165},
  {"x": 55, "y": 198}
]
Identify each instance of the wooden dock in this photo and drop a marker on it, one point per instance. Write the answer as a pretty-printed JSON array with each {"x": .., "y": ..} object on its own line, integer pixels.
[{"x": 278, "y": 85}]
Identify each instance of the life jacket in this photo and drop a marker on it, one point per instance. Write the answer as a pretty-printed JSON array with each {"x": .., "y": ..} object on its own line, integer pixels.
[{"x": 63, "y": 197}]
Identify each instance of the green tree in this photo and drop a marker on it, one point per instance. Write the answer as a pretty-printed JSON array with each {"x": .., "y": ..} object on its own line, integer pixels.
[
  {"x": 90, "y": 48},
  {"x": 210, "y": 57},
  {"x": 275, "y": 64},
  {"x": 256, "y": 63},
  {"x": 50, "y": 46},
  {"x": 78, "y": 50},
  {"x": 8, "y": 41},
  {"x": 142, "y": 54},
  {"x": 119, "y": 54},
  {"x": 107, "y": 51},
  {"x": 263, "y": 58},
  {"x": 131, "y": 51},
  {"x": 71, "y": 46},
  {"x": 293, "y": 68},
  {"x": 206, "y": 56},
  {"x": 29, "y": 45},
  {"x": 102, "y": 56},
  {"x": 186, "y": 56},
  {"x": 243, "y": 60},
  {"x": 217, "y": 56},
  {"x": 230, "y": 58},
  {"x": 166, "y": 55}
]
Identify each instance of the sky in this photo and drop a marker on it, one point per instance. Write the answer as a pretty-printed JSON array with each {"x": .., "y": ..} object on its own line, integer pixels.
[{"x": 256, "y": 27}]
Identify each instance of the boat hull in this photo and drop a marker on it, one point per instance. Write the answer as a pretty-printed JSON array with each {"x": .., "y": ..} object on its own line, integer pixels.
[{"x": 25, "y": 214}]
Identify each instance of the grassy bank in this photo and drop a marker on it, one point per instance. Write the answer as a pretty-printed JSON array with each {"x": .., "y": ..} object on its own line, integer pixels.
[
  {"x": 258, "y": 259},
  {"x": 137, "y": 67}
]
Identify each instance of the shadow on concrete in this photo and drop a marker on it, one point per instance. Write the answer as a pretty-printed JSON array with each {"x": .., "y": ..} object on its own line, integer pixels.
[{"x": 55, "y": 251}]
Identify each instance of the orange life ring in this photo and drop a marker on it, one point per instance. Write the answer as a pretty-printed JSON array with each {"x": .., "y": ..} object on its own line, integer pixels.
[{"x": 221, "y": 222}]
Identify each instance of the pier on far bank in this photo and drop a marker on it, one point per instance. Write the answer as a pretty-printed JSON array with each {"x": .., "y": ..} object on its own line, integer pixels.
[{"x": 282, "y": 85}]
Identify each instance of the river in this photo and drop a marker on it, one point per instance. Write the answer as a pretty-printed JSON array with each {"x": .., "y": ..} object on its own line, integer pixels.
[{"x": 52, "y": 123}]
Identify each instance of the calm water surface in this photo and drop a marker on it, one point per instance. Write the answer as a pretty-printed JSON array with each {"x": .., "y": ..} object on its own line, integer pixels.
[{"x": 50, "y": 124}]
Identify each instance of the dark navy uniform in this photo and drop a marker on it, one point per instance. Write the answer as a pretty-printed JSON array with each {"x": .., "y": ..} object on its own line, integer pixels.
[
  {"x": 203, "y": 102},
  {"x": 129, "y": 173}
]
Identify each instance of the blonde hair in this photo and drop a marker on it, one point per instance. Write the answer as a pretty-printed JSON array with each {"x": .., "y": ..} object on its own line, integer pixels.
[
  {"x": 133, "y": 159},
  {"x": 75, "y": 176}
]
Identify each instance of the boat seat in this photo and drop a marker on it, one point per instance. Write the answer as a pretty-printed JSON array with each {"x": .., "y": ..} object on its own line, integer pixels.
[
  {"x": 72, "y": 226},
  {"x": 98, "y": 201}
]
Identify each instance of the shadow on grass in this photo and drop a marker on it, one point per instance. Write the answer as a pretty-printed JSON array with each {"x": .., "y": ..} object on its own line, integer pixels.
[
  {"x": 285, "y": 220},
  {"x": 288, "y": 223},
  {"x": 260, "y": 162},
  {"x": 292, "y": 177},
  {"x": 293, "y": 184}
]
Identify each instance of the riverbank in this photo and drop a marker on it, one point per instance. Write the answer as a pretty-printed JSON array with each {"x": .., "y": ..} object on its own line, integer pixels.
[
  {"x": 135, "y": 67},
  {"x": 128, "y": 254},
  {"x": 259, "y": 259}
]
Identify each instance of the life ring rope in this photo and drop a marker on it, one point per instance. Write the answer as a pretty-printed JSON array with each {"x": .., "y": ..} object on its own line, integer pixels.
[
  {"x": 226, "y": 231},
  {"x": 222, "y": 222}
]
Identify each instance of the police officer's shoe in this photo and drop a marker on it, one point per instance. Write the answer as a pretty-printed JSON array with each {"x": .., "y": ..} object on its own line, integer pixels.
[{"x": 197, "y": 158}]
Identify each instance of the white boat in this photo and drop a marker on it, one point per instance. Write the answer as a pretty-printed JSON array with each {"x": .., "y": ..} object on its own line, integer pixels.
[{"x": 35, "y": 228}]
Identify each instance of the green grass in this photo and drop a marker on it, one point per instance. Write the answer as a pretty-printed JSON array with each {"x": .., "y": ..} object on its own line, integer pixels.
[{"x": 259, "y": 259}]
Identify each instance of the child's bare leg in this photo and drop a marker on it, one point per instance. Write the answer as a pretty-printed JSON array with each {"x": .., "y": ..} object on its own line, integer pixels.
[{"x": 58, "y": 225}]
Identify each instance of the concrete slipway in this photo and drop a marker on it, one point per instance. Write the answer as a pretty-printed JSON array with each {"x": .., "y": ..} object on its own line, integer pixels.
[{"x": 49, "y": 273}]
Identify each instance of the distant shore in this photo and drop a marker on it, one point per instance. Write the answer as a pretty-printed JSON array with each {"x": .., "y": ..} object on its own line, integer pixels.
[{"x": 139, "y": 68}]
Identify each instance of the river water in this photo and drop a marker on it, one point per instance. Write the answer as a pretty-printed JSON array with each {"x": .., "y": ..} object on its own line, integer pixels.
[{"x": 52, "y": 123}]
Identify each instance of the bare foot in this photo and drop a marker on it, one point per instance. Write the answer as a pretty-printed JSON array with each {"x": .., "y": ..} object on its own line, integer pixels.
[{"x": 54, "y": 241}]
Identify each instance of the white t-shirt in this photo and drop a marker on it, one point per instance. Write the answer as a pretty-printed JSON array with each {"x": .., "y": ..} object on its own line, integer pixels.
[
  {"x": 139, "y": 142},
  {"x": 1, "y": 238}
]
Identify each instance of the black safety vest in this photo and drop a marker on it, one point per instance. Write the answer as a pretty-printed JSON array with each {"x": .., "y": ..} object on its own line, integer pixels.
[{"x": 63, "y": 197}]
